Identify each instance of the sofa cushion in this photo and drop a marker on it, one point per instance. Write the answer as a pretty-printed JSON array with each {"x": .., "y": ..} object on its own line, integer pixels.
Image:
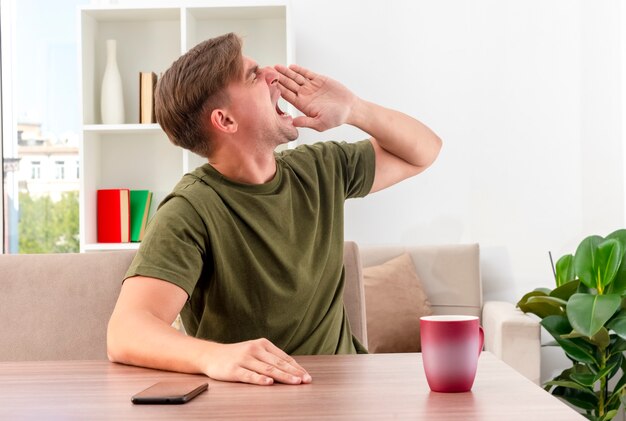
[{"x": 394, "y": 303}]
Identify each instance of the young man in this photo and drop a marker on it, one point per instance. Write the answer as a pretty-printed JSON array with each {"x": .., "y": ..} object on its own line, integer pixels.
[{"x": 248, "y": 248}]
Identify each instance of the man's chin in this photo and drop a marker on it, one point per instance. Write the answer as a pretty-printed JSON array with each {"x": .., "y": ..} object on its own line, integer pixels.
[
  {"x": 290, "y": 134},
  {"x": 294, "y": 135}
]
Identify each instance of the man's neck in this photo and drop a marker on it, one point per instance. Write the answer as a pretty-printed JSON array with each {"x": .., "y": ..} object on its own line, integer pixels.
[{"x": 249, "y": 168}]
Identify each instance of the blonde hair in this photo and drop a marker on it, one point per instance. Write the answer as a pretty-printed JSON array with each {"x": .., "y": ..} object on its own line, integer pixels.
[{"x": 193, "y": 87}]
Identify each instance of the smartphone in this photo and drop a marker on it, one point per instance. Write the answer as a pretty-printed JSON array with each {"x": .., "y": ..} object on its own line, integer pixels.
[{"x": 170, "y": 392}]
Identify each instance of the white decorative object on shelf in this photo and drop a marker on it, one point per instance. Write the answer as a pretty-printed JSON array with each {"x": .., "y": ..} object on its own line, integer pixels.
[{"x": 112, "y": 96}]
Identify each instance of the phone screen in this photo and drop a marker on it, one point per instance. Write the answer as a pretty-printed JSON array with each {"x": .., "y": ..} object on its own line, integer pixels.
[{"x": 170, "y": 392}]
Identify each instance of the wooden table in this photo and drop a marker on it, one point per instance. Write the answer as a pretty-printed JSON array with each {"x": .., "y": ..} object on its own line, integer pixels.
[{"x": 377, "y": 387}]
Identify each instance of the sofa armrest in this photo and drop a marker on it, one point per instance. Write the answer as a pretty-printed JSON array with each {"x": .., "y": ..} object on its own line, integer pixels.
[{"x": 514, "y": 337}]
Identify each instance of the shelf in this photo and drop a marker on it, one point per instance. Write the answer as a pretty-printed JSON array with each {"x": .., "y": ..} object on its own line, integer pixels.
[
  {"x": 122, "y": 128},
  {"x": 140, "y": 156},
  {"x": 130, "y": 13},
  {"x": 110, "y": 246}
]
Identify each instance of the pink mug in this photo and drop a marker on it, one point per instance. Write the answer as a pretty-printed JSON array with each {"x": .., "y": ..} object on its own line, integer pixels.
[{"x": 451, "y": 346}]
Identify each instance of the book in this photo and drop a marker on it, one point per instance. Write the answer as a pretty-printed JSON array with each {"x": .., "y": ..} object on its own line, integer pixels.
[
  {"x": 140, "y": 201},
  {"x": 113, "y": 217},
  {"x": 147, "y": 83}
]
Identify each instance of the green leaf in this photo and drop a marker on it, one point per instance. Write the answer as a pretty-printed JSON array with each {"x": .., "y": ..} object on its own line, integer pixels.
[
  {"x": 539, "y": 309},
  {"x": 584, "y": 289},
  {"x": 609, "y": 415},
  {"x": 585, "y": 260},
  {"x": 548, "y": 300},
  {"x": 573, "y": 335},
  {"x": 581, "y": 399},
  {"x": 618, "y": 325},
  {"x": 588, "y": 313},
  {"x": 619, "y": 387},
  {"x": 530, "y": 294},
  {"x": 614, "y": 361},
  {"x": 566, "y": 290},
  {"x": 614, "y": 404},
  {"x": 586, "y": 380},
  {"x": 618, "y": 345},
  {"x": 589, "y": 379},
  {"x": 576, "y": 349},
  {"x": 619, "y": 284},
  {"x": 570, "y": 384},
  {"x": 609, "y": 254},
  {"x": 565, "y": 270},
  {"x": 605, "y": 371},
  {"x": 601, "y": 339}
]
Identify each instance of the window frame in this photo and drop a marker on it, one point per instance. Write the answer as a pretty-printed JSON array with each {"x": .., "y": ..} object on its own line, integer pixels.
[
  {"x": 7, "y": 123},
  {"x": 35, "y": 165}
]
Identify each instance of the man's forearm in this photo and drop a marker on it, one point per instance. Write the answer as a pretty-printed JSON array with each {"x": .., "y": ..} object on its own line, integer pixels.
[
  {"x": 144, "y": 340},
  {"x": 396, "y": 132}
]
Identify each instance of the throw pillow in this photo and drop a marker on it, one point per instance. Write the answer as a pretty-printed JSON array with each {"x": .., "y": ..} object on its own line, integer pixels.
[{"x": 394, "y": 303}]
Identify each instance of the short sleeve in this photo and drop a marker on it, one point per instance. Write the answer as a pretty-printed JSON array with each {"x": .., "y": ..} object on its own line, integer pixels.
[
  {"x": 174, "y": 247},
  {"x": 359, "y": 167}
]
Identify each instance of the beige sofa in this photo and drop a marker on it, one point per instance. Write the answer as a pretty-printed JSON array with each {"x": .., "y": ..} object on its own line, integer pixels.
[
  {"x": 56, "y": 306},
  {"x": 450, "y": 275}
]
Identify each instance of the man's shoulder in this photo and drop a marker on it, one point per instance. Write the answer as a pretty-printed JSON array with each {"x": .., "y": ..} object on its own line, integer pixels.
[
  {"x": 191, "y": 187},
  {"x": 318, "y": 150},
  {"x": 193, "y": 181},
  {"x": 325, "y": 152},
  {"x": 311, "y": 148}
]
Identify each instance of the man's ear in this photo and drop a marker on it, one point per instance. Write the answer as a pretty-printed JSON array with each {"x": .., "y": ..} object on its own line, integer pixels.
[{"x": 223, "y": 121}]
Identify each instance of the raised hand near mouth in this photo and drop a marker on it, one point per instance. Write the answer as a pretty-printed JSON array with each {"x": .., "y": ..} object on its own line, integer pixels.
[{"x": 324, "y": 102}]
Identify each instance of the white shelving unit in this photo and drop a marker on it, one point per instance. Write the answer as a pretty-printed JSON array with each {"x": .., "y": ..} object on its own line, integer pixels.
[{"x": 139, "y": 156}]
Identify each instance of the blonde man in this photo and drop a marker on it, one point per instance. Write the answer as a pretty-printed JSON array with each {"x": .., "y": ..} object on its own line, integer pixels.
[{"x": 248, "y": 247}]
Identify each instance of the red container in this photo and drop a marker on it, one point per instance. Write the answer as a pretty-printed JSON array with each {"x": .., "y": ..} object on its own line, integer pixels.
[{"x": 451, "y": 346}]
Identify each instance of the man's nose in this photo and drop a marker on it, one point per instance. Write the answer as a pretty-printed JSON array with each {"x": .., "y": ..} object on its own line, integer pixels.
[{"x": 270, "y": 74}]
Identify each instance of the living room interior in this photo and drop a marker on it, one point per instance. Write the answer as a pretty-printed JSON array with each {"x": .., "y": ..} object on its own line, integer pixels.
[{"x": 529, "y": 98}]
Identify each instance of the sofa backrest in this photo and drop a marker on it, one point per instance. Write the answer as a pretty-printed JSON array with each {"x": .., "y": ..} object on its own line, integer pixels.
[
  {"x": 354, "y": 292},
  {"x": 57, "y": 306},
  {"x": 450, "y": 274}
]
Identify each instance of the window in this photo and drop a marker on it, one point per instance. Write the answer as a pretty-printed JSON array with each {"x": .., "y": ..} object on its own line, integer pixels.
[
  {"x": 35, "y": 170},
  {"x": 59, "y": 170},
  {"x": 40, "y": 121}
]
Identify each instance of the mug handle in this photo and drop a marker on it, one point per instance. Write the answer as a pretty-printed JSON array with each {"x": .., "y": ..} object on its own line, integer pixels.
[{"x": 481, "y": 340}]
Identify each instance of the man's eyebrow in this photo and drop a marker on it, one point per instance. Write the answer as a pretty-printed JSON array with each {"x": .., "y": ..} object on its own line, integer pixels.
[{"x": 252, "y": 70}]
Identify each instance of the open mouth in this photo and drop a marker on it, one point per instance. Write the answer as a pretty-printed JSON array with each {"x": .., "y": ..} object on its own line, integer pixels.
[{"x": 278, "y": 110}]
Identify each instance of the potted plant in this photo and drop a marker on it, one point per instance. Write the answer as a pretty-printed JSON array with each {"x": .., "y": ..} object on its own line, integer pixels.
[{"x": 586, "y": 315}]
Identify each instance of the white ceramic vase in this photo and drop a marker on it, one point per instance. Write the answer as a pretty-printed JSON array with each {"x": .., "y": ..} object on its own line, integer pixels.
[{"x": 111, "y": 94}]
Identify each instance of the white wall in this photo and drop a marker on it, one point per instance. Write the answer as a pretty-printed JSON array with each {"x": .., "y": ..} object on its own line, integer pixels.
[{"x": 527, "y": 97}]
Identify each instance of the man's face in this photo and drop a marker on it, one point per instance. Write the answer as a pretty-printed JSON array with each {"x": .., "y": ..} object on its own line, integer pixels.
[{"x": 254, "y": 102}]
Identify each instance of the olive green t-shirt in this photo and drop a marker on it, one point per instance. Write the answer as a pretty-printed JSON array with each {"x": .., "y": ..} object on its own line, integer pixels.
[{"x": 263, "y": 261}]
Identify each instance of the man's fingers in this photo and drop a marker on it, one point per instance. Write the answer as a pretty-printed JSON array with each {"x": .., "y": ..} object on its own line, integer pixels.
[
  {"x": 309, "y": 74},
  {"x": 288, "y": 83},
  {"x": 288, "y": 72},
  {"x": 287, "y": 365},
  {"x": 285, "y": 362},
  {"x": 257, "y": 362},
  {"x": 287, "y": 94},
  {"x": 270, "y": 370},
  {"x": 249, "y": 376},
  {"x": 311, "y": 123}
]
